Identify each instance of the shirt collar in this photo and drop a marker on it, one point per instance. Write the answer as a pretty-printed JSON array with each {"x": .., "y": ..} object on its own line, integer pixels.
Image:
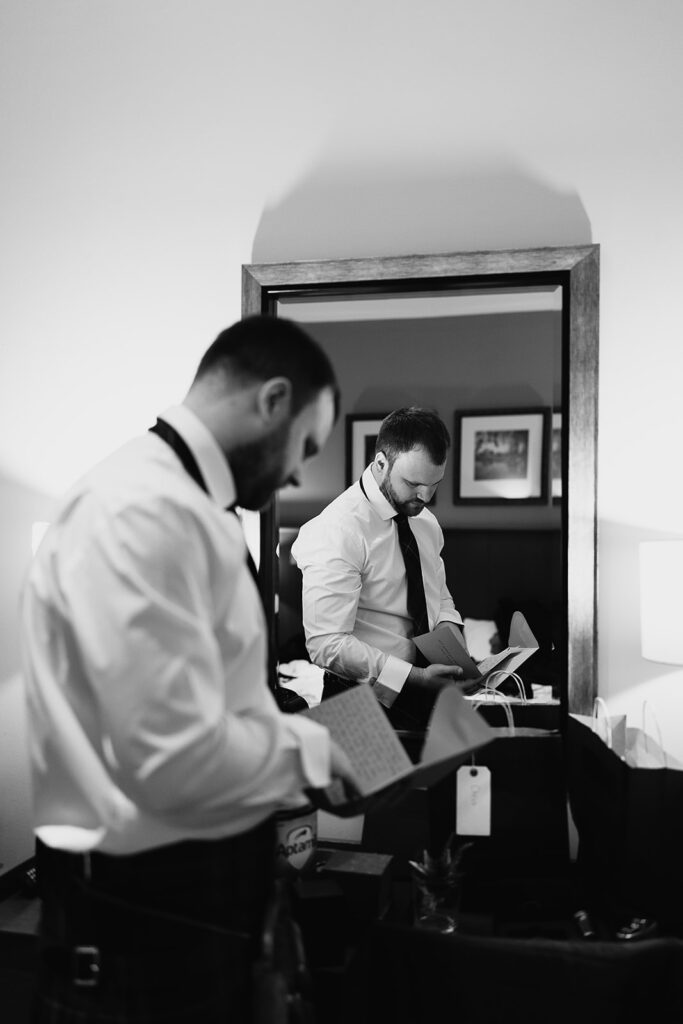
[
  {"x": 383, "y": 507},
  {"x": 206, "y": 450}
]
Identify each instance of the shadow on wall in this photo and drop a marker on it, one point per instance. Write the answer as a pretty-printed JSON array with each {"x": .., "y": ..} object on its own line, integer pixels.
[
  {"x": 16, "y": 828},
  {"x": 21, "y": 507},
  {"x": 346, "y": 211}
]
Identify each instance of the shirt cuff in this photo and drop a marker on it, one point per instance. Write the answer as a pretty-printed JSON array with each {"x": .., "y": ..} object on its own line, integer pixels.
[
  {"x": 453, "y": 617},
  {"x": 314, "y": 749},
  {"x": 391, "y": 679}
]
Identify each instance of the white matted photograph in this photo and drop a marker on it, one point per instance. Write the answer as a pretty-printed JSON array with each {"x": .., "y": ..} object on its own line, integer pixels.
[{"x": 501, "y": 456}]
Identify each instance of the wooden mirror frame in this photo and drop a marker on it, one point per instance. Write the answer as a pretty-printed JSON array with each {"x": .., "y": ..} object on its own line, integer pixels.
[{"x": 576, "y": 269}]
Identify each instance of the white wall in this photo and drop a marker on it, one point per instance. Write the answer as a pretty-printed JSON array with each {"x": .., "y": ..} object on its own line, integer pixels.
[{"x": 150, "y": 148}]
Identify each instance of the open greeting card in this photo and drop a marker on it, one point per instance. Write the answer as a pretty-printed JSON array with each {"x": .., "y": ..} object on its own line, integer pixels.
[
  {"x": 357, "y": 722},
  {"x": 442, "y": 647}
]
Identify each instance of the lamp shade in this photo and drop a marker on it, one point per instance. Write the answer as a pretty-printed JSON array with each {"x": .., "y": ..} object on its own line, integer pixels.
[{"x": 661, "y": 600}]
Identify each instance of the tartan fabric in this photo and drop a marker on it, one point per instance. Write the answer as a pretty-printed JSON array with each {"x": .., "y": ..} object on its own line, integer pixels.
[
  {"x": 177, "y": 929},
  {"x": 417, "y": 606}
]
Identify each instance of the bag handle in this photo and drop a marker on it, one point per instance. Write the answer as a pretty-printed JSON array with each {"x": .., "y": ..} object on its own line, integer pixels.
[
  {"x": 506, "y": 675},
  {"x": 644, "y": 708},
  {"x": 600, "y": 705},
  {"x": 500, "y": 699},
  {"x": 508, "y": 714}
]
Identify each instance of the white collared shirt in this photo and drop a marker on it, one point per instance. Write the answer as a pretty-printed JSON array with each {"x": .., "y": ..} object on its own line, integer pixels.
[
  {"x": 150, "y": 718},
  {"x": 354, "y": 588}
]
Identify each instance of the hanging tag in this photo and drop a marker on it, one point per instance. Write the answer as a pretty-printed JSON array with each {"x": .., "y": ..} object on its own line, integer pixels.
[{"x": 473, "y": 801}]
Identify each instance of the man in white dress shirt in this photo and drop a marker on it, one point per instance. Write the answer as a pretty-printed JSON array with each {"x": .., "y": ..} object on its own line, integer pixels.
[
  {"x": 159, "y": 755},
  {"x": 356, "y": 605}
]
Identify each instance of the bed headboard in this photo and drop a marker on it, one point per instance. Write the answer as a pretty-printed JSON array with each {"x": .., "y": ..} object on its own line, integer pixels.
[
  {"x": 484, "y": 567},
  {"x": 491, "y": 573}
]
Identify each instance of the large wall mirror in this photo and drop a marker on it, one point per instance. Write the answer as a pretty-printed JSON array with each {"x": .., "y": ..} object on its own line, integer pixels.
[{"x": 504, "y": 345}]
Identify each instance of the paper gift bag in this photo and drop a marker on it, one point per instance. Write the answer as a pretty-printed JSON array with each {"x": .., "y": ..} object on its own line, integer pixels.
[
  {"x": 629, "y": 820},
  {"x": 529, "y": 833},
  {"x": 641, "y": 750},
  {"x": 529, "y": 830},
  {"x": 611, "y": 728}
]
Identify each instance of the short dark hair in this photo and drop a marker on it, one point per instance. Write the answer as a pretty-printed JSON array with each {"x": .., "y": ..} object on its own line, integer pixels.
[
  {"x": 413, "y": 427},
  {"x": 260, "y": 347}
]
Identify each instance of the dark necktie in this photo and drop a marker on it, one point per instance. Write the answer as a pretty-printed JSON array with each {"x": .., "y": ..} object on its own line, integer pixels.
[{"x": 417, "y": 606}]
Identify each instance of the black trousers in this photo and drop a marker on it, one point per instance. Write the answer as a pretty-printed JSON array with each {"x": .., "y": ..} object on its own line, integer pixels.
[{"x": 167, "y": 935}]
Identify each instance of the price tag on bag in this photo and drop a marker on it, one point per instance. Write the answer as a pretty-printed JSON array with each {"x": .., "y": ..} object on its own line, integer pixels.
[{"x": 473, "y": 800}]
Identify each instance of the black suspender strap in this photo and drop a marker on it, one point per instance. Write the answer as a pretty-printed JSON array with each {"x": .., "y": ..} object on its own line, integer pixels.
[
  {"x": 286, "y": 699},
  {"x": 171, "y": 436}
]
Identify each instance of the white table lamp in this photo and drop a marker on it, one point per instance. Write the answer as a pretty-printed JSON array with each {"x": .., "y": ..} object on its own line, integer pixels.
[{"x": 661, "y": 600}]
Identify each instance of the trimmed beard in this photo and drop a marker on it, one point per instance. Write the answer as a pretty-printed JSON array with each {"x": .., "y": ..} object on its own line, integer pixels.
[{"x": 258, "y": 468}]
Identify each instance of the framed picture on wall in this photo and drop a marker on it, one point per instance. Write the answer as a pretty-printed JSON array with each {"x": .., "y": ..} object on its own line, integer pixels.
[
  {"x": 556, "y": 457},
  {"x": 361, "y": 434},
  {"x": 501, "y": 456}
]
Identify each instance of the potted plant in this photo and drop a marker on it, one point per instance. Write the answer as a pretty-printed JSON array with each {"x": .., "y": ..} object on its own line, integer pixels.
[{"x": 437, "y": 885}]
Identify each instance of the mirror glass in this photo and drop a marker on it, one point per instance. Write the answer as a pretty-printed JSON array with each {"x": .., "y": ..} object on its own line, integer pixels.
[
  {"x": 488, "y": 351},
  {"x": 495, "y": 356}
]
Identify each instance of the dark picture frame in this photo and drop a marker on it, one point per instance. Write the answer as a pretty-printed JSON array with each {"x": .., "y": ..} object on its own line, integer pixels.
[
  {"x": 501, "y": 456},
  {"x": 361, "y": 434}
]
